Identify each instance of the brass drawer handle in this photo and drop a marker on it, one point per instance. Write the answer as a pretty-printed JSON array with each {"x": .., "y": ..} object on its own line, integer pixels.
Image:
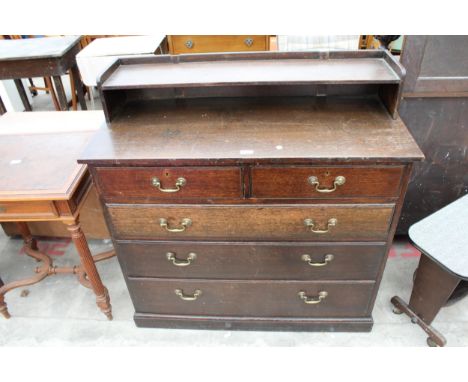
[
  {"x": 249, "y": 41},
  {"x": 309, "y": 223},
  {"x": 181, "y": 263},
  {"x": 186, "y": 222},
  {"x": 180, "y": 182},
  {"x": 186, "y": 297},
  {"x": 189, "y": 44},
  {"x": 327, "y": 259},
  {"x": 312, "y": 300},
  {"x": 339, "y": 181}
]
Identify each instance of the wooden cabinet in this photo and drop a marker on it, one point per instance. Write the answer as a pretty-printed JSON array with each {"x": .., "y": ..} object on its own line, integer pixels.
[
  {"x": 234, "y": 208},
  {"x": 179, "y": 44}
]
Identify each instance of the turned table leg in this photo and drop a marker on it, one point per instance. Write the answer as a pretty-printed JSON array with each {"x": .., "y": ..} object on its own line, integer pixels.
[
  {"x": 89, "y": 267},
  {"x": 28, "y": 239},
  {"x": 432, "y": 287},
  {"x": 3, "y": 305}
]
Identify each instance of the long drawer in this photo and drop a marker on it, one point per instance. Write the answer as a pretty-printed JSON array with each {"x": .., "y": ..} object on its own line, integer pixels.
[
  {"x": 169, "y": 183},
  {"x": 256, "y": 261},
  {"x": 320, "y": 222},
  {"x": 251, "y": 298},
  {"x": 179, "y": 44},
  {"x": 326, "y": 182}
]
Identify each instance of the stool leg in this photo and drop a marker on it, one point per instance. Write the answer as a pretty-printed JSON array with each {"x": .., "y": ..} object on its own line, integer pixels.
[
  {"x": 432, "y": 288},
  {"x": 3, "y": 305},
  {"x": 48, "y": 84},
  {"x": 87, "y": 262}
]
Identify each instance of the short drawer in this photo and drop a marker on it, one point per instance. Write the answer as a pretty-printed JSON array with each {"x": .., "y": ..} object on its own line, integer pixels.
[
  {"x": 319, "y": 222},
  {"x": 256, "y": 261},
  {"x": 326, "y": 182},
  {"x": 159, "y": 183},
  {"x": 251, "y": 298},
  {"x": 27, "y": 210},
  {"x": 206, "y": 44}
]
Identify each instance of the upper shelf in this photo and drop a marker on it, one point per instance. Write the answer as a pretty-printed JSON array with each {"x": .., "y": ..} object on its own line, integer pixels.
[{"x": 252, "y": 74}]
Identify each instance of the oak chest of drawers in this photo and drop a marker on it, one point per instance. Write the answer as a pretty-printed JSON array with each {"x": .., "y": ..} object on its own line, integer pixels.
[{"x": 253, "y": 191}]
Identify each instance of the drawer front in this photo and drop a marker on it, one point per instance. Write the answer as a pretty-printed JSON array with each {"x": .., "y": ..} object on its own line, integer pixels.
[
  {"x": 159, "y": 183},
  {"x": 251, "y": 298},
  {"x": 353, "y": 222},
  {"x": 326, "y": 182},
  {"x": 256, "y": 261},
  {"x": 27, "y": 210},
  {"x": 206, "y": 44}
]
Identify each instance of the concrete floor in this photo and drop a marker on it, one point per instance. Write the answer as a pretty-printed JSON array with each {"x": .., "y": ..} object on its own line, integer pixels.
[{"x": 58, "y": 311}]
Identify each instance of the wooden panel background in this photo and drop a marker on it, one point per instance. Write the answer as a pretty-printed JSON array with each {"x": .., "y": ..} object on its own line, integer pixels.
[{"x": 435, "y": 109}]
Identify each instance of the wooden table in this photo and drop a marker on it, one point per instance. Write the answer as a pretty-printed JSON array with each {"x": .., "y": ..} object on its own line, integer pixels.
[
  {"x": 442, "y": 239},
  {"x": 42, "y": 57},
  {"x": 41, "y": 181}
]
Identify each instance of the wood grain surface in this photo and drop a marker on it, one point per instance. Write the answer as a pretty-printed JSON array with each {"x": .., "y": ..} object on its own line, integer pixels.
[
  {"x": 253, "y": 130},
  {"x": 252, "y": 260},
  {"x": 251, "y": 298},
  {"x": 38, "y": 153},
  {"x": 355, "y": 222},
  {"x": 201, "y": 182},
  {"x": 293, "y": 182}
]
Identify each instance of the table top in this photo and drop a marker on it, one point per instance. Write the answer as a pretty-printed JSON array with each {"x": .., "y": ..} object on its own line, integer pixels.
[
  {"x": 117, "y": 46},
  {"x": 443, "y": 236},
  {"x": 251, "y": 129},
  {"x": 39, "y": 151},
  {"x": 36, "y": 48}
]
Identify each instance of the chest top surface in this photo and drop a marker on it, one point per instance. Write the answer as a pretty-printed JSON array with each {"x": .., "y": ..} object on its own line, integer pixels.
[
  {"x": 251, "y": 129},
  {"x": 38, "y": 153}
]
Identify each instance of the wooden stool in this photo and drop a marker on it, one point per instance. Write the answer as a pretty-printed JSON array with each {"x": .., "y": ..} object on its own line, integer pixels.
[
  {"x": 442, "y": 239},
  {"x": 42, "y": 181}
]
